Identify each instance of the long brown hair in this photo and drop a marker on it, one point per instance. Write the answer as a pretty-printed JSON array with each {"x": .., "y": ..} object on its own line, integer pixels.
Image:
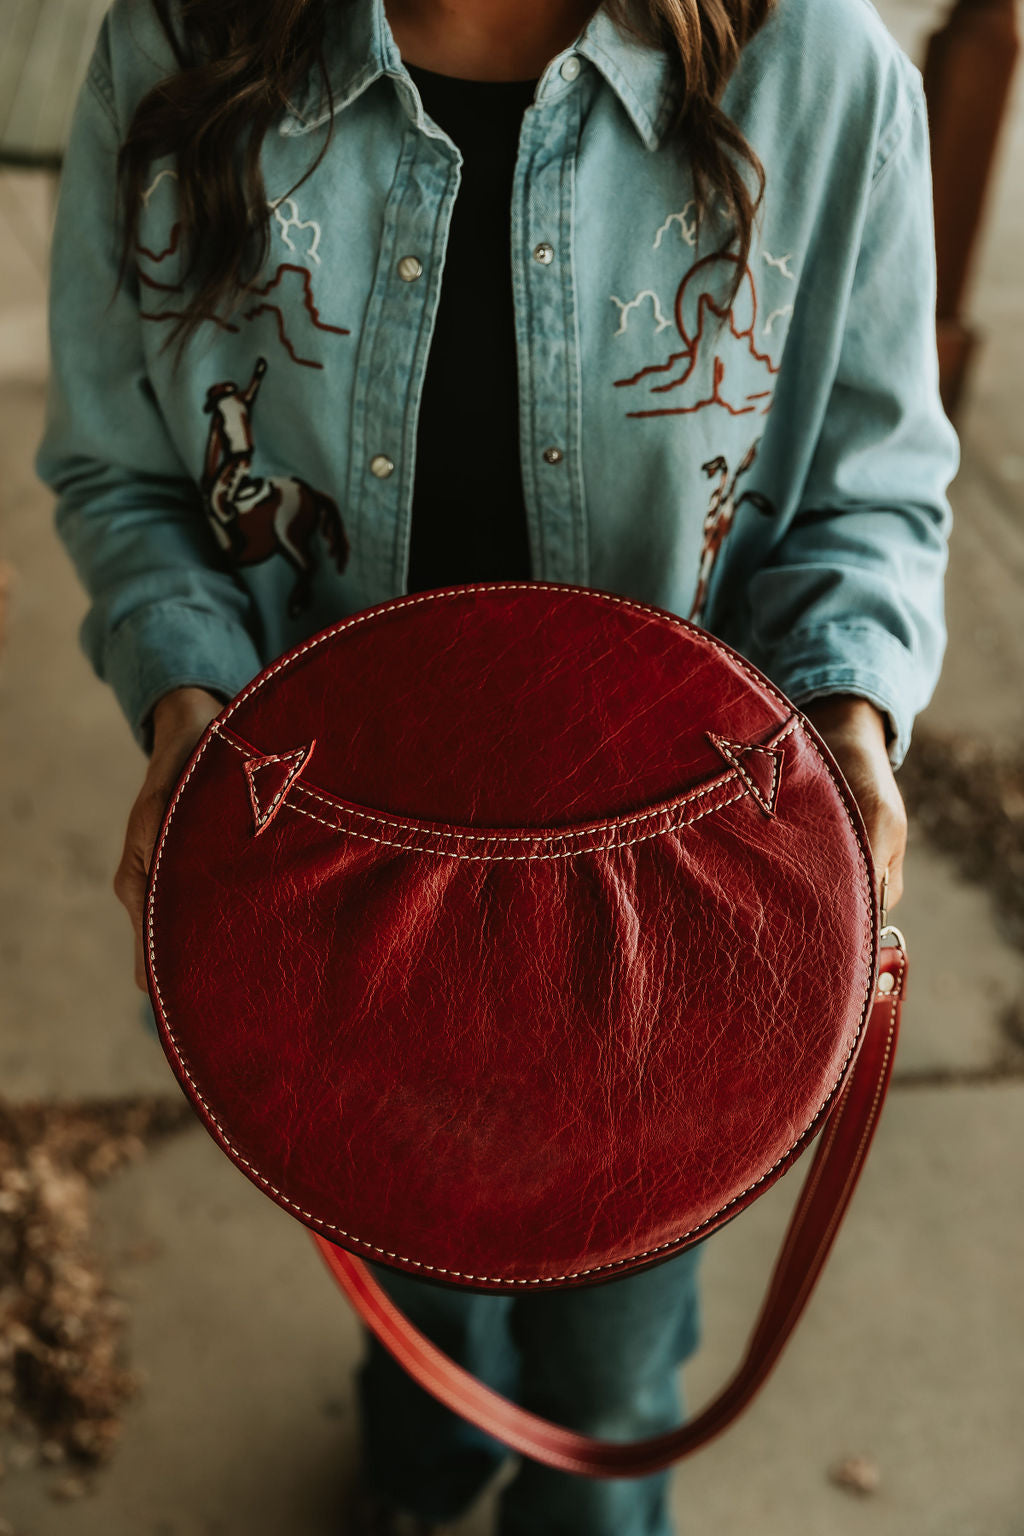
[{"x": 241, "y": 61}]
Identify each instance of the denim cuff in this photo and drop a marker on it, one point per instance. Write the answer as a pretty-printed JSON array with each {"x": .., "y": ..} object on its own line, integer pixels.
[
  {"x": 174, "y": 645},
  {"x": 859, "y": 659}
]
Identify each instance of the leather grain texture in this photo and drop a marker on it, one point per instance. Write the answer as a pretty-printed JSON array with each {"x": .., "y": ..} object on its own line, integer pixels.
[{"x": 512, "y": 935}]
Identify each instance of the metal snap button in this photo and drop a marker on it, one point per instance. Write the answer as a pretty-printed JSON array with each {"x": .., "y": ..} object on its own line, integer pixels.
[
  {"x": 553, "y": 455},
  {"x": 381, "y": 466},
  {"x": 544, "y": 253},
  {"x": 570, "y": 67},
  {"x": 886, "y": 982},
  {"x": 410, "y": 268}
]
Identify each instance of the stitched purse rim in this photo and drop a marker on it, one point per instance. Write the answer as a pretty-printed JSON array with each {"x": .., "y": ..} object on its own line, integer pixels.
[{"x": 364, "y": 1245}]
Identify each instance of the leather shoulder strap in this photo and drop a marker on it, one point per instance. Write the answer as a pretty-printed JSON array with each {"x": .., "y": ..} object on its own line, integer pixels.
[{"x": 840, "y": 1156}]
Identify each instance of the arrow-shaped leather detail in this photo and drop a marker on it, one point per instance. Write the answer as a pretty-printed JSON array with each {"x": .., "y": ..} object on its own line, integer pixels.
[
  {"x": 759, "y": 767},
  {"x": 270, "y": 779}
]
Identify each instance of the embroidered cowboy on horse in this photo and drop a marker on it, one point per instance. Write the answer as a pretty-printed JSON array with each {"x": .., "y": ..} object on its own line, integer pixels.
[{"x": 253, "y": 516}]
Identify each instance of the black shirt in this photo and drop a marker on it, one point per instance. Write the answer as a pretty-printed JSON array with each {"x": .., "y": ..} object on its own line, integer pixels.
[{"x": 468, "y": 516}]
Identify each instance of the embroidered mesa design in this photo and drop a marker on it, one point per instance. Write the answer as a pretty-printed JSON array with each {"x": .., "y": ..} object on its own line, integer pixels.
[
  {"x": 730, "y": 345},
  {"x": 276, "y": 285},
  {"x": 296, "y": 313}
]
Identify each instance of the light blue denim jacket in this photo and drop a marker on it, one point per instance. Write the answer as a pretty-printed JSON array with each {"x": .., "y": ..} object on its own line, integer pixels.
[{"x": 776, "y": 469}]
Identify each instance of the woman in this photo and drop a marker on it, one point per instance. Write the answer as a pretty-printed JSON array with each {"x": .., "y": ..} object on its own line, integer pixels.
[{"x": 398, "y": 293}]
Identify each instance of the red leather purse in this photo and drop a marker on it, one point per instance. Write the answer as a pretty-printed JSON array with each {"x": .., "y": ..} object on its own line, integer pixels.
[{"x": 522, "y": 935}]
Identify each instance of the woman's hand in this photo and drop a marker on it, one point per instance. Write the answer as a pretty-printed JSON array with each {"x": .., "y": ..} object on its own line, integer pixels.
[
  {"x": 179, "y": 719},
  {"x": 854, "y": 732}
]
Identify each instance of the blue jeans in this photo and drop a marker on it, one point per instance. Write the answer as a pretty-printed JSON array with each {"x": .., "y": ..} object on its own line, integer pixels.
[{"x": 601, "y": 1359}]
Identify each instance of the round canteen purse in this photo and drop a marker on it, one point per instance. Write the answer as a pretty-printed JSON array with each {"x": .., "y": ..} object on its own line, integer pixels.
[{"x": 521, "y": 935}]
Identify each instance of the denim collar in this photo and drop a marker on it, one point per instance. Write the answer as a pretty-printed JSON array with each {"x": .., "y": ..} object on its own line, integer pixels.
[{"x": 360, "y": 49}]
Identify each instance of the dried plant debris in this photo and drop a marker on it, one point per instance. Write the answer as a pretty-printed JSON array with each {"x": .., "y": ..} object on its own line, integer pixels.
[
  {"x": 969, "y": 801},
  {"x": 858, "y": 1474},
  {"x": 63, "y": 1378}
]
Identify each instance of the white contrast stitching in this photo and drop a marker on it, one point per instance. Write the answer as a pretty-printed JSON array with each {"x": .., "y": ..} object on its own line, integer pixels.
[
  {"x": 363, "y": 1243},
  {"x": 496, "y": 834},
  {"x": 725, "y": 747},
  {"x": 545, "y": 837},
  {"x": 355, "y": 619},
  {"x": 499, "y": 858},
  {"x": 299, "y": 758}
]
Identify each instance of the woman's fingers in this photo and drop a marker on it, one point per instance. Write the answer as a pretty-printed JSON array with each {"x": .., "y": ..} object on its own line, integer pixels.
[
  {"x": 179, "y": 720},
  {"x": 133, "y": 870},
  {"x": 854, "y": 732},
  {"x": 888, "y": 848},
  {"x": 883, "y": 812}
]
